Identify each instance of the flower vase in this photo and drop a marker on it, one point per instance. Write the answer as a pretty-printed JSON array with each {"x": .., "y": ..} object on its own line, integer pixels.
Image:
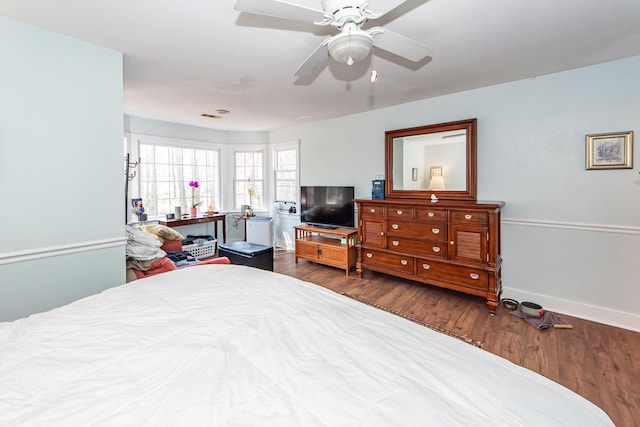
[{"x": 193, "y": 212}]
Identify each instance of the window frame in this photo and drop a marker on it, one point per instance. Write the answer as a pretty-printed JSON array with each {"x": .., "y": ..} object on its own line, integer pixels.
[
  {"x": 261, "y": 180},
  {"x": 135, "y": 148},
  {"x": 226, "y": 172},
  {"x": 285, "y": 146}
]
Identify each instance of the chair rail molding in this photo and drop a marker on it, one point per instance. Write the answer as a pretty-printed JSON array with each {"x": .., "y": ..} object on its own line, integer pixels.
[
  {"x": 52, "y": 251},
  {"x": 604, "y": 228}
]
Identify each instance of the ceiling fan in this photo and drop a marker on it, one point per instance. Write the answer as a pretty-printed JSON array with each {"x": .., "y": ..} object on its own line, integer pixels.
[{"x": 353, "y": 43}]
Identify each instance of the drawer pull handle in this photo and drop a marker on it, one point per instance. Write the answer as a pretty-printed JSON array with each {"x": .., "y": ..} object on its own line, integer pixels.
[
  {"x": 404, "y": 262},
  {"x": 426, "y": 266},
  {"x": 369, "y": 255},
  {"x": 474, "y": 276},
  {"x": 399, "y": 212},
  {"x": 431, "y": 214},
  {"x": 395, "y": 226},
  {"x": 467, "y": 216},
  {"x": 436, "y": 249},
  {"x": 435, "y": 230},
  {"x": 451, "y": 243},
  {"x": 395, "y": 243},
  {"x": 382, "y": 233},
  {"x": 372, "y": 210}
]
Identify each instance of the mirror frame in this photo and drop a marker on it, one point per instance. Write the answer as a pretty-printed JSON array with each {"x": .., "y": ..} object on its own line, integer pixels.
[{"x": 470, "y": 126}]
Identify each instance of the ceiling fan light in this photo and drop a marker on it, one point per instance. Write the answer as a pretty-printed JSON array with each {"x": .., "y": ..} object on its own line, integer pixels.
[{"x": 354, "y": 47}]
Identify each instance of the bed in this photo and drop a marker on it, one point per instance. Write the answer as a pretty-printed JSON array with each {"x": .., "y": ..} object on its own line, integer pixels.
[{"x": 227, "y": 345}]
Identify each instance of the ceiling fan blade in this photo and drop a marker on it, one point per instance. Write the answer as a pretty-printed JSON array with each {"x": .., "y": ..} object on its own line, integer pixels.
[
  {"x": 381, "y": 7},
  {"x": 317, "y": 58},
  {"x": 280, "y": 9},
  {"x": 399, "y": 44}
]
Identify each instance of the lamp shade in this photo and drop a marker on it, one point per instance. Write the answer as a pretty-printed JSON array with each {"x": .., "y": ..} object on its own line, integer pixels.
[{"x": 437, "y": 183}]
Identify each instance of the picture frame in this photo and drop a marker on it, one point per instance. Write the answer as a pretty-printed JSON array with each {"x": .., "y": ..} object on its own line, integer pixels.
[{"x": 609, "y": 151}]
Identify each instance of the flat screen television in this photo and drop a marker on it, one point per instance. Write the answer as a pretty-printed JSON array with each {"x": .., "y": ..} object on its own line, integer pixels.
[{"x": 327, "y": 206}]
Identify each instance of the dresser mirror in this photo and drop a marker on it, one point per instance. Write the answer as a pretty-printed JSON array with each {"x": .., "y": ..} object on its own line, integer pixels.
[{"x": 431, "y": 160}]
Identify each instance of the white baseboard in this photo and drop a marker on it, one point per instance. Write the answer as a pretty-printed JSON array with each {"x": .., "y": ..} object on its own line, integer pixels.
[
  {"x": 589, "y": 312},
  {"x": 288, "y": 245}
]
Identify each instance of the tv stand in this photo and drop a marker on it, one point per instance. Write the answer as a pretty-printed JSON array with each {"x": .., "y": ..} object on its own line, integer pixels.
[{"x": 329, "y": 246}]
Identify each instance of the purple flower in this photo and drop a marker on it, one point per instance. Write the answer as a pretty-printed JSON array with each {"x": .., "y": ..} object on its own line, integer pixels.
[{"x": 194, "y": 185}]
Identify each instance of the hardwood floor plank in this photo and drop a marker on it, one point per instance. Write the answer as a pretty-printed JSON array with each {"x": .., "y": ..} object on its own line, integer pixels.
[{"x": 599, "y": 362}]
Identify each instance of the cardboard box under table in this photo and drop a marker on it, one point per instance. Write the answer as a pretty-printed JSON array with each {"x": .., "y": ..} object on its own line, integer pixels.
[{"x": 251, "y": 254}]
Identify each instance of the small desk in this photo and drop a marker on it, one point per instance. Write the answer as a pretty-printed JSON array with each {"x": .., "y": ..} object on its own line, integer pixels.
[
  {"x": 200, "y": 219},
  {"x": 244, "y": 219}
]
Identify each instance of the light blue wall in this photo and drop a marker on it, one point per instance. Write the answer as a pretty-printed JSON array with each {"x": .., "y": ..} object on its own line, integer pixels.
[
  {"x": 570, "y": 236},
  {"x": 61, "y": 169}
]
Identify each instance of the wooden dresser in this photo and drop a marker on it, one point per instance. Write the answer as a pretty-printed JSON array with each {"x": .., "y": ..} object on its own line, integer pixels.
[{"x": 453, "y": 244}]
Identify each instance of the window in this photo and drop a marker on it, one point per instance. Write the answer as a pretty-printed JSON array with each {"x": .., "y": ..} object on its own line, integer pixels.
[
  {"x": 249, "y": 179},
  {"x": 165, "y": 173},
  {"x": 285, "y": 174}
]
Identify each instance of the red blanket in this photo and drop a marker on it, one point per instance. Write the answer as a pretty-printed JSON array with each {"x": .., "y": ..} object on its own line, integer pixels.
[{"x": 163, "y": 265}]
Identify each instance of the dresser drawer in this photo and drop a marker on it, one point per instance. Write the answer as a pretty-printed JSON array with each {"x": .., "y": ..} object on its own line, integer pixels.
[
  {"x": 372, "y": 211},
  {"x": 417, "y": 229},
  {"x": 433, "y": 248},
  {"x": 405, "y": 213},
  {"x": 469, "y": 217},
  {"x": 383, "y": 259},
  {"x": 428, "y": 214},
  {"x": 468, "y": 276}
]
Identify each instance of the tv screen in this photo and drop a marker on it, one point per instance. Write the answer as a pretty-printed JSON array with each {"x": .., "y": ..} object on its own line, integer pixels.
[{"x": 330, "y": 206}]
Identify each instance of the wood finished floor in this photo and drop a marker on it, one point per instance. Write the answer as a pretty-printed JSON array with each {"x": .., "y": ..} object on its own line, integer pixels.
[{"x": 599, "y": 362}]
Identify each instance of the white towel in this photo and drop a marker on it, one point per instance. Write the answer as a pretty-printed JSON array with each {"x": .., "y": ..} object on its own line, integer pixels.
[{"x": 142, "y": 245}]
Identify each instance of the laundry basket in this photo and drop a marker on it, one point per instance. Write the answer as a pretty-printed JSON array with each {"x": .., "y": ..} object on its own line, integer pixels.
[{"x": 205, "y": 250}]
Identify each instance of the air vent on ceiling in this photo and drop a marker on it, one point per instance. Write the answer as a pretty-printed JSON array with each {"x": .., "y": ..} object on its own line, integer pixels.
[{"x": 210, "y": 116}]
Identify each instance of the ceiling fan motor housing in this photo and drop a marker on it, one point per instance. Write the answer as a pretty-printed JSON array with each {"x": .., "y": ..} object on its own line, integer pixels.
[{"x": 339, "y": 8}]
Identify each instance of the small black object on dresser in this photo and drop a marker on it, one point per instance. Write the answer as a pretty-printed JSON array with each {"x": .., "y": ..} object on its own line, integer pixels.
[
  {"x": 377, "y": 189},
  {"x": 251, "y": 254}
]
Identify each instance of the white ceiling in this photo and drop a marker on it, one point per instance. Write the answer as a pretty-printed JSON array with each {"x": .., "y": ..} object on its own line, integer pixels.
[{"x": 184, "y": 58}]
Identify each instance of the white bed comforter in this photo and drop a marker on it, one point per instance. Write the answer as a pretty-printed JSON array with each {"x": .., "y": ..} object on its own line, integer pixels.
[{"x": 224, "y": 345}]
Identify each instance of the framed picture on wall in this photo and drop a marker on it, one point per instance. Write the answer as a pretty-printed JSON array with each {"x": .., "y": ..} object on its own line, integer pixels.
[{"x": 610, "y": 150}]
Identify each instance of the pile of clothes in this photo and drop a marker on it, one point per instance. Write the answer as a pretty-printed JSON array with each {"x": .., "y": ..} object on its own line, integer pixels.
[
  {"x": 154, "y": 249},
  {"x": 142, "y": 249},
  {"x": 181, "y": 258}
]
